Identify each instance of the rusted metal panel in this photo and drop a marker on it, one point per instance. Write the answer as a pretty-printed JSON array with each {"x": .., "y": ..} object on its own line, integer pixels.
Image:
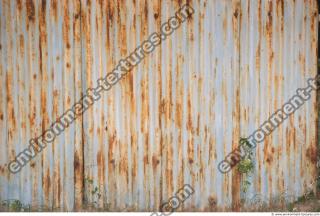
[
  {"x": 278, "y": 55},
  {"x": 173, "y": 118}
]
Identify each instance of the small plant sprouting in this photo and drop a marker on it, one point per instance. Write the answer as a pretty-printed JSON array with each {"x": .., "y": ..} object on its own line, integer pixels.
[
  {"x": 94, "y": 190},
  {"x": 14, "y": 205},
  {"x": 246, "y": 165}
]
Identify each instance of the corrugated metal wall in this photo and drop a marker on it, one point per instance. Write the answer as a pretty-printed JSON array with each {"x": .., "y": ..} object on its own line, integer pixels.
[{"x": 173, "y": 118}]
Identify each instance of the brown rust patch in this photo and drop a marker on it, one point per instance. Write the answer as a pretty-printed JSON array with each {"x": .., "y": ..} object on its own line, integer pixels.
[
  {"x": 190, "y": 160},
  {"x": 155, "y": 161},
  {"x": 311, "y": 154},
  {"x": 30, "y": 10},
  {"x": 76, "y": 162},
  {"x": 54, "y": 9},
  {"x": 21, "y": 44},
  {"x": 47, "y": 183},
  {"x": 100, "y": 160},
  {"x": 269, "y": 22},
  {"x": 66, "y": 24},
  {"x": 19, "y": 5}
]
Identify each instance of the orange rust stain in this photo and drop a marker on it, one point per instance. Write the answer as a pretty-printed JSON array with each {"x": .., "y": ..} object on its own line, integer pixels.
[
  {"x": 54, "y": 8},
  {"x": 146, "y": 151},
  {"x": 100, "y": 161},
  {"x": 258, "y": 54},
  {"x": 19, "y": 5},
  {"x": 269, "y": 159},
  {"x": 43, "y": 106},
  {"x": 109, "y": 23},
  {"x": 225, "y": 27},
  {"x": 302, "y": 60},
  {"x": 155, "y": 161},
  {"x": 112, "y": 140},
  {"x": 189, "y": 108},
  {"x": 66, "y": 24},
  {"x": 42, "y": 24},
  {"x": 47, "y": 183},
  {"x": 146, "y": 9},
  {"x": 146, "y": 159},
  {"x": 55, "y": 93},
  {"x": 134, "y": 162},
  {"x": 269, "y": 21},
  {"x": 11, "y": 113},
  {"x": 311, "y": 154},
  {"x": 179, "y": 115},
  {"x": 21, "y": 39},
  {"x": 30, "y": 10},
  {"x": 77, "y": 162}
]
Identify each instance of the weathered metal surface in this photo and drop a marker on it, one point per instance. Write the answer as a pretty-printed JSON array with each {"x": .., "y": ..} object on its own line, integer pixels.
[{"x": 172, "y": 119}]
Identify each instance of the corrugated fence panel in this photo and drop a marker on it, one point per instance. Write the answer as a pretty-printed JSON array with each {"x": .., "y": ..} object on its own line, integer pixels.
[
  {"x": 172, "y": 118},
  {"x": 40, "y": 71},
  {"x": 278, "y": 56}
]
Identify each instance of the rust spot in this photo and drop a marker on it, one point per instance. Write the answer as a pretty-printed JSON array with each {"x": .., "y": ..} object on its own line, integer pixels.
[
  {"x": 269, "y": 22},
  {"x": 156, "y": 15},
  {"x": 66, "y": 25},
  {"x": 68, "y": 46},
  {"x": 34, "y": 76},
  {"x": 146, "y": 10},
  {"x": 19, "y": 5},
  {"x": 1, "y": 116},
  {"x": 30, "y": 10},
  {"x": 55, "y": 93},
  {"x": 269, "y": 159},
  {"x": 68, "y": 65},
  {"x": 57, "y": 58},
  {"x": 155, "y": 161},
  {"x": 190, "y": 160},
  {"x": 43, "y": 6},
  {"x": 236, "y": 13},
  {"x": 100, "y": 159},
  {"x": 76, "y": 162},
  {"x": 54, "y": 8},
  {"x": 312, "y": 154},
  {"x": 146, "y": 159},
  {"x": 32, "y": 165},
  {"x": 21, "y": 39},
  {"x": 110, "y": 13}
]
